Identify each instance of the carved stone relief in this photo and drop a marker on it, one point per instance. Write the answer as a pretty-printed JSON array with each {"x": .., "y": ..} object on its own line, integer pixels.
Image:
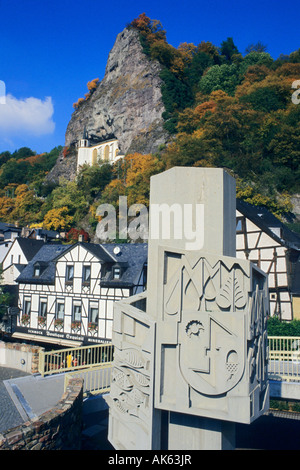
[
  {"x": 130, "y": 384},
  {"x": 215, "y": 324},
  {"x": 131, "y": 395}
]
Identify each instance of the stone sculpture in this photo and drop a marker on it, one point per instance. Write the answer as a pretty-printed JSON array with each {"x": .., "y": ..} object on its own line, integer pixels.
[{"x": 191, "y": 352}]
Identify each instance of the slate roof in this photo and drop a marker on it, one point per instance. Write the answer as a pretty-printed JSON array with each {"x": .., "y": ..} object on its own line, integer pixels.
[
  {"x": 30, "y": 247},
  {"x": 4, "y": 227},
  {"x": 96, "y": 249},
  {"x": 269, "y": 224},
  {"x": 47, "y": 233},
  {"x": 132, "y": 258},
  {"x": 47, "y": 254},
  {"x": 286, "y": 237}
]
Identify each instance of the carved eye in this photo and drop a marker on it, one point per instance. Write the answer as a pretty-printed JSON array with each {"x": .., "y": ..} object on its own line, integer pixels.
[{"x": 193, "y": 328}]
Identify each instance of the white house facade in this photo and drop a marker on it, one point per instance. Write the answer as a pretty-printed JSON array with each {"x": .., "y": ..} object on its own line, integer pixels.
[
  {"x": 8, "y": 233},
  {"x": 264, "y": 240},
  {"x": 66, "y": 293},
  {"x": 20, "y": 252}
]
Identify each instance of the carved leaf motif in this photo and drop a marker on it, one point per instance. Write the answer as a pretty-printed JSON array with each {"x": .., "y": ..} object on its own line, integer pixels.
[
  {"x": 239, "y": 298},
  {"x": 224, "y": 298},
  {"x": 231, "y": 294}
]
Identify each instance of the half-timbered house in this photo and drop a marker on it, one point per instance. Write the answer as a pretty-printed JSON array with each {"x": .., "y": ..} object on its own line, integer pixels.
[
  {"x": 18, "y": 256},
  {"x": 66, "y": 293},
  {"x": 265, "y": 240}
]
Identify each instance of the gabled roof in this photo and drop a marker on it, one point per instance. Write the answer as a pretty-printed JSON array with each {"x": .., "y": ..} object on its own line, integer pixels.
[
  {"x": 46, "y": 233},
  {"x": 96, "y": 249},
  {"x": 270, "y": 224},
  {"x": 29, "y": 247},
  {"x": 132, "y": 257},
  {"x": 4, "y": 227},
  {"x": 46, "y": 255}
]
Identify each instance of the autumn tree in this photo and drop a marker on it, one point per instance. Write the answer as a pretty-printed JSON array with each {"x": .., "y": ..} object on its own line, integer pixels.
[
  {"x": 26, "y": 205},
  {"x": 68, "y": 195},
  {"x": 58, "y": 219}
]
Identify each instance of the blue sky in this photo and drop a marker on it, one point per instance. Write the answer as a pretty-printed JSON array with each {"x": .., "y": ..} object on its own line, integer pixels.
[{"x": 50, "y": 49}]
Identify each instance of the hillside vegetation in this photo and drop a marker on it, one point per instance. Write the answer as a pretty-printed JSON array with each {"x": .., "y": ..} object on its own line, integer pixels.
[{"x": 223, "y": 108}]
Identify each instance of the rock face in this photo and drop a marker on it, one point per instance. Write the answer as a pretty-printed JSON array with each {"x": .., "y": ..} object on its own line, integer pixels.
[{"x": 126, "y": 104}]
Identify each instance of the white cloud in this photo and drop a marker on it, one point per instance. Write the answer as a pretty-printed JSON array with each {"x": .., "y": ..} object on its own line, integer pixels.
[{"x": 29, "y": 116}]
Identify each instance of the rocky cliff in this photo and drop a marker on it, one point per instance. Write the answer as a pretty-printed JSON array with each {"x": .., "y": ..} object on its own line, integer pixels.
[{"x": 127, "y": 103}]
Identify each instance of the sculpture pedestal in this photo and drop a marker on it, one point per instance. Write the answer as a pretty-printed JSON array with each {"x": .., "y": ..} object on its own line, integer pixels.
[{"x": 188, "y": 432}]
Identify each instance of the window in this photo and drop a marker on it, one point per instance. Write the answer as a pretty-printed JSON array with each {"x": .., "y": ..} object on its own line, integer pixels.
[
  {"x": 106, "y": 153},
  {"x": 86, "y": 274},
  {"x": 116, "y": 273},
  {"x": 60, "y": 309},
  {"x": 43, "y": 308},
  {"x": 240, "y": 224},
  {"x": 27, "y": 306},
  {"x": 37, "y": 271},
  {"x": 70, "y": 273},
  {"x": 77, "y": 312},
  {"x": 94, "y": 313}
]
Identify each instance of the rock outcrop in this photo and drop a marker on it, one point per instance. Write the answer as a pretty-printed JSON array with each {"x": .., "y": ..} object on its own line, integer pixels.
[{"x": 127, "y": 103}]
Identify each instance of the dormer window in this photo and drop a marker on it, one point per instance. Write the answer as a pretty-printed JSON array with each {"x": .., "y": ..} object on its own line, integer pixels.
[
  {"x": 37, "y": 271},
  {"x": 116, "y": 273},
  {"x": 38, "y": 268}
]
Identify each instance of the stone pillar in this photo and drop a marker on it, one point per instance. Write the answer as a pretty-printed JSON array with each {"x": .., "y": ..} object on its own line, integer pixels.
[
  {"x": 197, "y": 350},
  {"x": 197, "y": 205}
]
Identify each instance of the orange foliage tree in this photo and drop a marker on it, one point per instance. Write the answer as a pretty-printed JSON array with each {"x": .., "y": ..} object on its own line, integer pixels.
[{"x": 57, "y": 219}]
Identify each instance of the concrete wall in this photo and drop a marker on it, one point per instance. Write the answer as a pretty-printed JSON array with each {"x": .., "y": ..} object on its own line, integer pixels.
[{"x": 23, "y": 357}]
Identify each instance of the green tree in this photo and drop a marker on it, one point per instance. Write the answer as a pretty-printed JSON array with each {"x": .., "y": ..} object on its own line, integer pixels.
[
  {"x": 220, "y": 77},
  {"x": 255, "y": 58},
  {"x": 91, "y": 180},
  {"x": 68, "y": 195},
  {"x": 228, "y": 49}
]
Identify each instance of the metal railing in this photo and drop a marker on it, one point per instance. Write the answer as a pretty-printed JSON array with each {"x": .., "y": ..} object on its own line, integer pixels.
[
  {"x": 67, "y": 360},
  {"x": 94, "y": 363},
  {"x": 95, "y": 379},
  {"x": 284, "y": 358}
]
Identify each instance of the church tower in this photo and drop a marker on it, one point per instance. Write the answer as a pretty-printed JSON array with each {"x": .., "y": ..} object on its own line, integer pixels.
[{"x": 84, "y": 142}]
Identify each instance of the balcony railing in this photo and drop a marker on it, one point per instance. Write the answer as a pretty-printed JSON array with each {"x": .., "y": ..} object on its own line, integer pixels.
[
  {"x": 96, "y": 379},
  {"x": 67, "y": 360},
  {"x": 284, "y": 358},
  {"x": 94, "y": 363}
]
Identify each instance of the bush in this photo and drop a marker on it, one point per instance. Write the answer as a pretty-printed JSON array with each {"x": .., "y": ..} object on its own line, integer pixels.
[{"x": 282, "y": 328}]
